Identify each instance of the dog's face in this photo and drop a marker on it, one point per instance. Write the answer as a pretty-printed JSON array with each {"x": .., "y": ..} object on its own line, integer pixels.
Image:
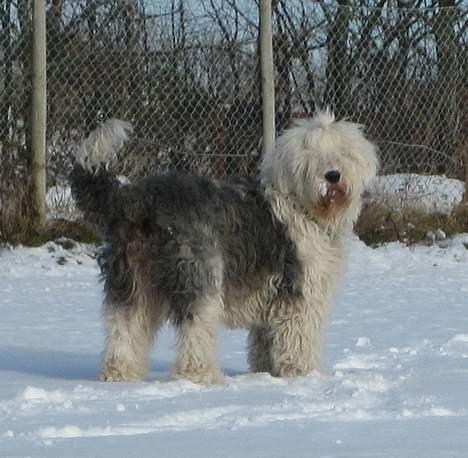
[{"x": 324, "y": 164}]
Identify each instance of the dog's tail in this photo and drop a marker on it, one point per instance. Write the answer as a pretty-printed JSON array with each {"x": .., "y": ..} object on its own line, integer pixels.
[{"x": 94, "y": 188}]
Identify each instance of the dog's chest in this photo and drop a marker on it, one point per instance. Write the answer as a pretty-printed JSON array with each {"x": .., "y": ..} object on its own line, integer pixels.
[
  {"x": 322, "y": 259},
  {"x": 257, "y": 304}
]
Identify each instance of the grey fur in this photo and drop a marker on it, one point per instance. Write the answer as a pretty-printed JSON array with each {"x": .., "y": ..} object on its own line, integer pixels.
[{"x": 264, "y": 255}]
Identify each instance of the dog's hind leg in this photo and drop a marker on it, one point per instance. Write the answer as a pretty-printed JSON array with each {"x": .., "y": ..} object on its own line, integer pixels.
[
  {"x": 194, "y": 287},
  {"x": 259, "y": 347},
  {"x": 128, "y": 342},
  {"x": 130, "y": 333},
  {"x": 197, "y": 342}
]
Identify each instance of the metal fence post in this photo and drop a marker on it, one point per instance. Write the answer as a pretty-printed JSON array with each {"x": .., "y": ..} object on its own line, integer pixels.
[
  {"x": 268, "y": 78},
  {"x": 39, "y": 113}
]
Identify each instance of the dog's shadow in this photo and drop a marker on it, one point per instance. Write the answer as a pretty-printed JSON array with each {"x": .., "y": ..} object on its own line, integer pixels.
[
  {"x": 59, "y": 364},
  {"x": 50, "y": 363},
  {"x": 66, "y": 365}
]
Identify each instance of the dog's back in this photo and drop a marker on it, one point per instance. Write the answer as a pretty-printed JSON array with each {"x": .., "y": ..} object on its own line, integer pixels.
[{"x": 188, "y": 233}]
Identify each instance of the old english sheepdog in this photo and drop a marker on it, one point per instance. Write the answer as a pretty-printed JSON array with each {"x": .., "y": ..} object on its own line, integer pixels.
[{"x": 263, "y": 254}]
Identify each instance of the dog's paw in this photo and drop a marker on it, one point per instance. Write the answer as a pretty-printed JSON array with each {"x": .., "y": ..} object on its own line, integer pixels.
[
  {"x": 107, "y": 377},
  {"x": 111, "y": 373},
  {"x": 215, "y": 377},
  {"x": 290, "y": 370}
]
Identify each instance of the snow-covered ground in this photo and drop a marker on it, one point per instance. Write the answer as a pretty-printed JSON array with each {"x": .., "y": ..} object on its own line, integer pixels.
[
  {"x": 429, "y": 193},
  {"x": 394, "y": 381}
]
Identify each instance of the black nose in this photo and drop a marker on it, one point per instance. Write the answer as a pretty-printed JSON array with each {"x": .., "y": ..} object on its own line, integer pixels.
[{"x": 333, "y": 176}]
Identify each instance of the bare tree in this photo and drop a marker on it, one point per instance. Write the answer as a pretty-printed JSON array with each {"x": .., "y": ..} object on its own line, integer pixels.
[{"x": 337, "y": 65}]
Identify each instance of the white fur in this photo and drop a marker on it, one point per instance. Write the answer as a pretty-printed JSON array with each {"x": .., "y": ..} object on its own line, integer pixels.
[
  {"x": 130, "y": 333},
  {"x": 101, "y": 146},
  {"x": 294, "y": 174},
  {"x": 197, "y": 344},
  {"x": 322, "y": 255},
  {"x": 286, "y": 341},
  {"x": 304, "y": 153}
]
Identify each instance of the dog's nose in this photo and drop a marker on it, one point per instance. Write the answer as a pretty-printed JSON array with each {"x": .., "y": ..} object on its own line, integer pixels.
[{"x": 333, "y": 176}]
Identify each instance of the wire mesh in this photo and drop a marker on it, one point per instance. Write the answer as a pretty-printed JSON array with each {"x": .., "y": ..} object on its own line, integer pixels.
[
  {"x": 400, "y": 71},
  {"x": 187, "y": 74},
  {"x": 186, "y": 80}
]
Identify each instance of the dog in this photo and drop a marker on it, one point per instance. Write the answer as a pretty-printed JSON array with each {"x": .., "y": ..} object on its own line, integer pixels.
[{"x": 262, "y": 253}]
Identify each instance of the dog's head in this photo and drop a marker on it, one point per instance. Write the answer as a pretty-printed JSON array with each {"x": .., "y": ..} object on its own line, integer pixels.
[{"x": 324, "y": 164}]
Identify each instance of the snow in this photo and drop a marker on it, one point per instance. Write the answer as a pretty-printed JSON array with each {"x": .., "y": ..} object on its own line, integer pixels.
[
  {"x": 393, "y": 384},
  {"x": 429, "y": 193}
]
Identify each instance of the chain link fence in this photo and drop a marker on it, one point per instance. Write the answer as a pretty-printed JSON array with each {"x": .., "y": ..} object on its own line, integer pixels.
[
  {"x": 187, "y": 74},
  {"x": 401, "y": 72},
  {"x": 188, "y": 83}
]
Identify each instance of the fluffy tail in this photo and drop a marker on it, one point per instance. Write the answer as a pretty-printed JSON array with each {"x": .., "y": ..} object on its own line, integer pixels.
[{"x": 94, "y": 188}]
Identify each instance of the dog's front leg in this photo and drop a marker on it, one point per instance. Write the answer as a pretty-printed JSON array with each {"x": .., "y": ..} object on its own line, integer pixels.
[{"x": 295, "y": 347}]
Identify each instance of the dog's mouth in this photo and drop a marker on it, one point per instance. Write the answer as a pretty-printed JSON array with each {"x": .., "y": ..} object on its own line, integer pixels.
[{"x": 336, "y": 193}]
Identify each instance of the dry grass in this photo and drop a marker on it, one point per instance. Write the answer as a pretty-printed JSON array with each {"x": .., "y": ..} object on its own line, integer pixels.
[
  {"x": 25, "y": 234},
  {"x": 79, "y": 231},
  {"x": 16, "y": 212},
  {"x": 16, "y": 220},
  {"x": 17, "y": 216}
]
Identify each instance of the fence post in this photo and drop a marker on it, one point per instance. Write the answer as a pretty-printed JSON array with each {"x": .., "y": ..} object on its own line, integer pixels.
[
  {"x": 465, "y": 167},
  {"x": 39, "y": 113},
  {"x": 268, "y": 78}
]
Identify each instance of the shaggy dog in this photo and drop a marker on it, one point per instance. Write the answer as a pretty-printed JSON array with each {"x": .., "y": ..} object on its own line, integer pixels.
[{"x": 263, "y": 254}]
